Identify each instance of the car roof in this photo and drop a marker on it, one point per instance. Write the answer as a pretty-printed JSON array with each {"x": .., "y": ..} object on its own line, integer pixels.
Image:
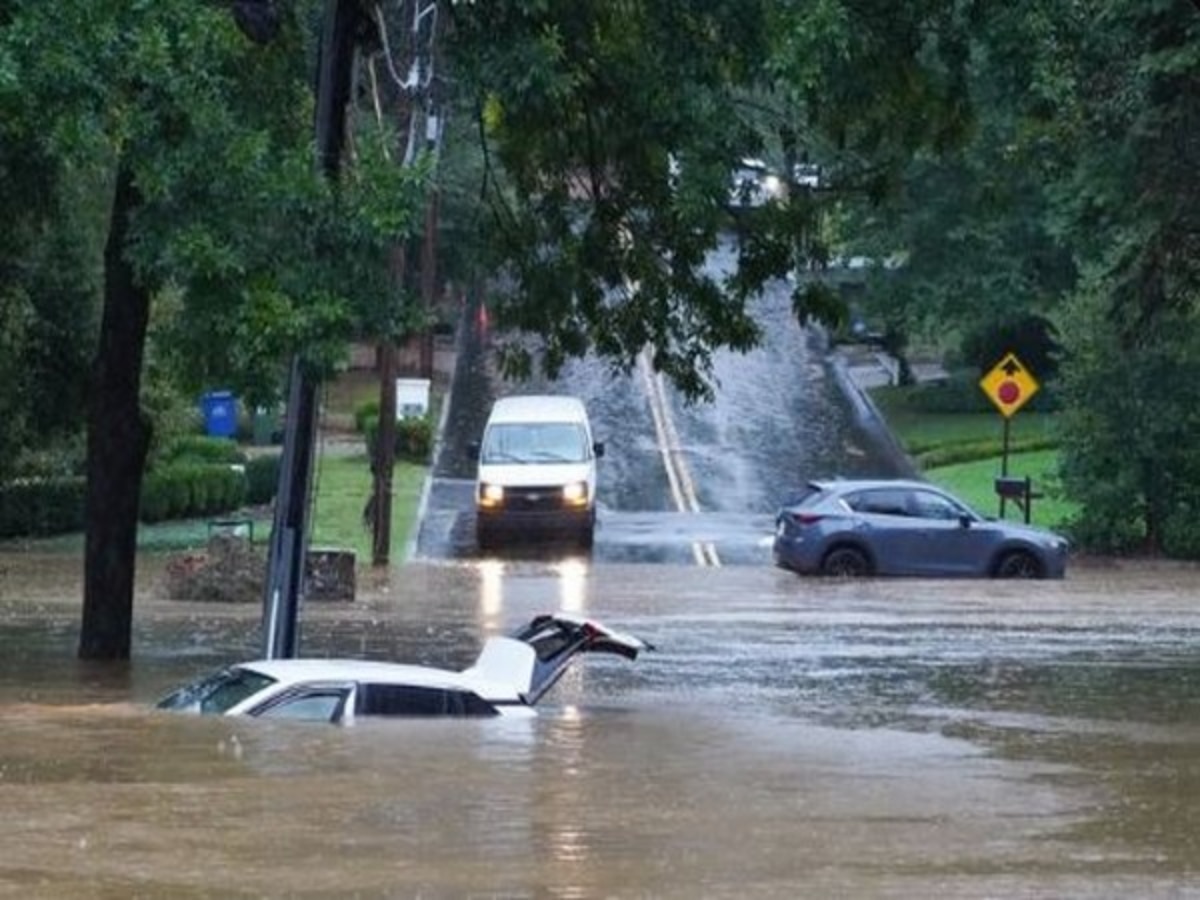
[
  {"x": 846, "y": 485},
  {"x": 538, "y": 408},
  {"x": 292, "y": 671}
]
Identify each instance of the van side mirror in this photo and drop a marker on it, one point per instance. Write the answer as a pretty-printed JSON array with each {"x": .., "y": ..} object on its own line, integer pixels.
[
  {"x": 473, "y": 450},
  {"x": 598, "y": 448}
]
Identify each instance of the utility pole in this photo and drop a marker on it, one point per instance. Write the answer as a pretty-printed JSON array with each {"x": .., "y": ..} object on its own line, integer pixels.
[
  {"x": 288, "y": 553},
  {"x": 429, "y": 281},
  {"x": 414, "y": 85}
]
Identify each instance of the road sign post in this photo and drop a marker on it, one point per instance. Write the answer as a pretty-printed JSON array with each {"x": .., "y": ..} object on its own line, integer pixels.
[{"x": 1009, "y": 385}]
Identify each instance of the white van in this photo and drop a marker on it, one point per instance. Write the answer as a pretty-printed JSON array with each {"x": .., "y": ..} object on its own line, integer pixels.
[{"x": 537, "y": 470}]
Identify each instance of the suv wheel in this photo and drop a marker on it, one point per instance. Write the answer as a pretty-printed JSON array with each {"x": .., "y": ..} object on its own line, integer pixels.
[{"x": 846, "y": 562}]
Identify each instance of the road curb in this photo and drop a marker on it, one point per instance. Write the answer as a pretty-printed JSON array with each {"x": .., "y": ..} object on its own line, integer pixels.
[{"x": 868, "y": 415}]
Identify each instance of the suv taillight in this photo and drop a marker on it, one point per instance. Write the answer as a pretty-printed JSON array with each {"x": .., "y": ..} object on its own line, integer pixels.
[{"x": 804, "y": 518}]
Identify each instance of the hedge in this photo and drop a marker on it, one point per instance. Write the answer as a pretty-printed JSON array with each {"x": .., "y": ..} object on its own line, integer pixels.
[
  {"x": 960, "y": 393},
  {"x": 39, "y": 507},
  {"x": 262, "y": 478},
  {"x": 970, "y": 451},
  {"x": 192, "y": 491},
  {"x": 198, "y": 448}
]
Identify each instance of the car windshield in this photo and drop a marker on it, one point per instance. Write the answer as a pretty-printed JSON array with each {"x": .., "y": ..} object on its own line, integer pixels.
[
  {"x": 216, "y": 693},
  {"x": 534, "y": 442}
]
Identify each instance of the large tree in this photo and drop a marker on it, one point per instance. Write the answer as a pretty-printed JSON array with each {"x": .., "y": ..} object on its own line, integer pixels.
[
  {"x": 216, "y": 200},
  {"x": 1132, "y": 335},
  {"x": 613, "y": 129}
]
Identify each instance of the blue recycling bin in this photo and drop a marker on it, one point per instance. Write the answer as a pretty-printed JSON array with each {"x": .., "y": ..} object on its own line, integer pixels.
[{"x": 220, "y": 413}]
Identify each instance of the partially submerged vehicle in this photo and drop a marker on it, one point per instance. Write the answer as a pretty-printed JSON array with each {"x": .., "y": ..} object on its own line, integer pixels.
[{"x": 511, "y": 674}]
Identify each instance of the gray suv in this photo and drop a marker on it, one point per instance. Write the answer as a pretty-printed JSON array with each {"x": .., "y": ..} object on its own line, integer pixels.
[{"x": 900, "y": 527}]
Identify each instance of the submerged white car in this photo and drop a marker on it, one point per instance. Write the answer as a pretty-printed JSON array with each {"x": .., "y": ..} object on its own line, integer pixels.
[{"x": 511, "y": 674}]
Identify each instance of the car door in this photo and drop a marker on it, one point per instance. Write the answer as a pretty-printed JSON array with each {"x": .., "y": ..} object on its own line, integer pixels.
[
  {"x": 886, "y": 526},
  {"x": 947, "y": 542}
]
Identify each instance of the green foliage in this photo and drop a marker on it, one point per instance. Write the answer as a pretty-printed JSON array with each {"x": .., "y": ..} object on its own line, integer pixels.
[
  {"x": 366, "y": 413},
  {"x": 969, "y": 451},
  {"x": 166, "y": 494},
  {"x": 37, "y": 507},
  {"x": 1031, "y": 337},
  {"x": 192, "y": 490},
  {"x": 1131, "y": 425},
  {"x": 262, "y": 478},
  {"x": 414, "y": 437},
  {"x": 196, "y": 448},
  {"x": 974, "y": 482},
  {"x": 612, "y": 130},
  {"x": 343, "y": 484}
]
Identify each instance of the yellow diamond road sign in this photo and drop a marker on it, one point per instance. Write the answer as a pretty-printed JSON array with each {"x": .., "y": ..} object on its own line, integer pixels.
[{"x": 1009, "y": 385}]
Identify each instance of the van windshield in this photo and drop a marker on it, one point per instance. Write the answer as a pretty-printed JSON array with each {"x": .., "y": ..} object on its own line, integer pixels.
[{"x": 534, "y": 442}]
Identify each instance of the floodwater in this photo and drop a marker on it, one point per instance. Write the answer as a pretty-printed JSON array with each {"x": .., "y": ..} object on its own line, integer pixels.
[{"x": 788, "y": 738}]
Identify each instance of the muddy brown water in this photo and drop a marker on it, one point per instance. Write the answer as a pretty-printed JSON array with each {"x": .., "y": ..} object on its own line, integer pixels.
[{"x": 787, "y": 738}]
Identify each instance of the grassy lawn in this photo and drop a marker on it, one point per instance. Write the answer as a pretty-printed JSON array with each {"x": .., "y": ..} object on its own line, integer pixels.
[
  {"x": 974, "y": 483},
  {"x": 979, "y": 439},
  {"x": 920, "y": 431},
  {"x": 343, "y": 484}
]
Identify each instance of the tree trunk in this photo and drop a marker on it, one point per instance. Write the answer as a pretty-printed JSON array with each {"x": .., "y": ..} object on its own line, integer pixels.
[{"x": 118, "y": 440}]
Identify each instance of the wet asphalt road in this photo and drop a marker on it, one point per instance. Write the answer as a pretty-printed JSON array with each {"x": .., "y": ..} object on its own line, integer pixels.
[{"x": 780, "y": 416}]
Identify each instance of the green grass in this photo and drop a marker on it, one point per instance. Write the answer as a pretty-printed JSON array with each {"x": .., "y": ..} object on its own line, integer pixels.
[
  {"x": 975, "y": 442},
  {"x": 343, "y": 485},
  {"x": 919, "y": 431},
  {"x": 974, "y": 482}
]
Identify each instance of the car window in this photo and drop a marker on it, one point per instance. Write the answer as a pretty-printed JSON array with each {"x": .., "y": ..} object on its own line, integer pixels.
[
  {"x": 929, "y": 505},
  {"x": 535, "y": 442},
  {"x": 409, "y": 700},
  {"x": 313, "y": 705},
  {"x": 805, "y": 497},
  {"x": 880, "y": 502},
  {"x": 217, "y": 693}
]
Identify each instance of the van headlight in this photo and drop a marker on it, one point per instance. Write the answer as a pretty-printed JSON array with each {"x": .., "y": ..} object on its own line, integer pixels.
[
  {"x": 575, "y": 493},
  {"x": 491, "y": 495}
]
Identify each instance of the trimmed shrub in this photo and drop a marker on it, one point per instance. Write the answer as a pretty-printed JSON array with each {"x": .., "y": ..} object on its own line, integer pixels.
[
  {"x": 198, "y": 448},
  {"x": 192, "y": 491},
  {"x": 166, "y": 494},
  {"x": 262, "y": 478},
  {"x": 414, "y": 438},
  {"x": 970, "y": 451},
  {"x": 42, "y": 506},
  {"x": 365, "y": 414}
]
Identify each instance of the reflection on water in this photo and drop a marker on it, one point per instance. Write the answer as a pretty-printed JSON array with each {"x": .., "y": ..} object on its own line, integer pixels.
[{"x": 789, "y": 738}]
